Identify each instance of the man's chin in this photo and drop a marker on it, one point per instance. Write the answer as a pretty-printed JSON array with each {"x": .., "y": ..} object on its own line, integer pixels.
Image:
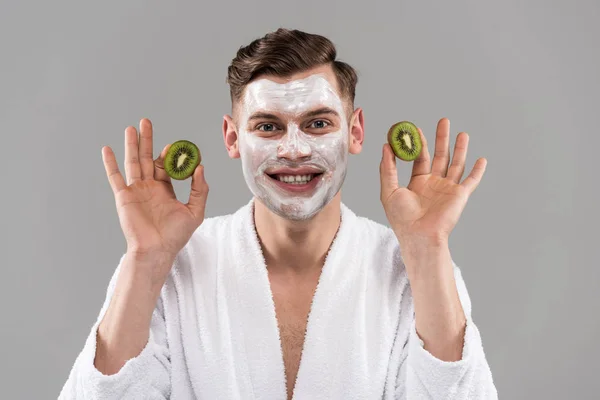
[
  {"x": 293, "y": 206},
  {"x": 293, "y": 213},
  {"x": 294, "y": 209}
]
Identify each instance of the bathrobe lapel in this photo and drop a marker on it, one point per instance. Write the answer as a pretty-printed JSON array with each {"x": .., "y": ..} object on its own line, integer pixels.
[{"x": 258, "y": 330}]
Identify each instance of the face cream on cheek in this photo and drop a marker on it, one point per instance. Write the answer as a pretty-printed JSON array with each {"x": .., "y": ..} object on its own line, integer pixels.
[
  {"x": 293, "y": 148},
  {"x": 254, "y": 152},
  {"x": 334, "y": 150}
]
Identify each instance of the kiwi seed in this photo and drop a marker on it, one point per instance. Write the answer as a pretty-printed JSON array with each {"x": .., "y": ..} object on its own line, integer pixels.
[
  {"x": 405, "y": 140},
  {"x": 182, "y": 159}
]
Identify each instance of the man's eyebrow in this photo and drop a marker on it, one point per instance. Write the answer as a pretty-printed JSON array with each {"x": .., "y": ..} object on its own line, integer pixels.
[
  {"x": 262, "y": 115},
  {"x": 320, "y": 111},
  {"x": 308, "y": 114}
]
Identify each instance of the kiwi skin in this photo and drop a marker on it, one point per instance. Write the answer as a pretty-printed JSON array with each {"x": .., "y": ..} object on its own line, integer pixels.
[
  {"x": 394, "y": 137},
  {"x": 175, "y": 151}
]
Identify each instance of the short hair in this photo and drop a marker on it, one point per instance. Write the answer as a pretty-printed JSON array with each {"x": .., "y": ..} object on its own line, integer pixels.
[{"x": 283, "y": 53}]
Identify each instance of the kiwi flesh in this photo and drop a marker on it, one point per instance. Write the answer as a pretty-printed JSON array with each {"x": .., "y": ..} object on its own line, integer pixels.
[
  {"x": 182, "y": 159},
  {"x": 405, "y": 140}
]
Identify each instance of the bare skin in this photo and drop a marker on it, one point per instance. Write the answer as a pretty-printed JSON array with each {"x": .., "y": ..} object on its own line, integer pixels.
[{"x": 292, "y": 296}]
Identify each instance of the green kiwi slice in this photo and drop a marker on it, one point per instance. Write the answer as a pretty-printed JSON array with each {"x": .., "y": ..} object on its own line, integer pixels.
[
  {"x": 405, "y": 140},
  {"x": 182, "y": 159}
]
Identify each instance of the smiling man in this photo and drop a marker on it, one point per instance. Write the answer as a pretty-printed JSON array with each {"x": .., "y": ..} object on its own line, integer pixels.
[
  {"x": 293, "y": 141},
  {"x": 293, "y": 295}
]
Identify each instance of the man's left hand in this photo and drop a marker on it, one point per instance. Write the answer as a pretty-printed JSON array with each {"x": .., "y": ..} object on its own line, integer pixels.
[{"x": 425, "y": 212}]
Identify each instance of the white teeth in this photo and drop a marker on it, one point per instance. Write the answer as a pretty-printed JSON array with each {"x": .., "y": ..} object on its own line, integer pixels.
[{"x": 295, "y": 179}]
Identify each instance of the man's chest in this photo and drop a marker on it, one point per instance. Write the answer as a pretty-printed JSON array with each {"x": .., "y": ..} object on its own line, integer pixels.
[{"x": 292, "y": 308}]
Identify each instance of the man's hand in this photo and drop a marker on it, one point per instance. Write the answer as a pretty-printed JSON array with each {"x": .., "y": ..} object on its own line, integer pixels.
[
  {"x": 430, "y": 206},
  {"x": 154, "y": 222},
  {"x": 422, "y": 215}
]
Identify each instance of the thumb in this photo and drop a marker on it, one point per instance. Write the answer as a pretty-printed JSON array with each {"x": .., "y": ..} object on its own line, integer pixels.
[
  {"x": 198, "y": 194},
  {"x": 387, "y": 172}
]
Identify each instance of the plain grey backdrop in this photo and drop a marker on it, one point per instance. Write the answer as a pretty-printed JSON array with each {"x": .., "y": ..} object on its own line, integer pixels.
[{"x": 521, "y": 77}]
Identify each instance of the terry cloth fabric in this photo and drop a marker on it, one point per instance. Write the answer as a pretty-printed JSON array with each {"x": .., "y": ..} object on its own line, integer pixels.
[{"x": 214, "y": 332}]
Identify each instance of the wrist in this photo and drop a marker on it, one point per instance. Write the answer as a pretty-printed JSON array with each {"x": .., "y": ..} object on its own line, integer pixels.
[
  {"x": 145, "y": 272},
  {"x": 148, "y": 256},
  {"x": 415, "y": 247},
  {"x": 427, "y": 263}
]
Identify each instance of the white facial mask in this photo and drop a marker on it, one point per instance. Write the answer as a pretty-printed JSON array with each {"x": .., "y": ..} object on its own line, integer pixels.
[{"x": 290, "y": 146}]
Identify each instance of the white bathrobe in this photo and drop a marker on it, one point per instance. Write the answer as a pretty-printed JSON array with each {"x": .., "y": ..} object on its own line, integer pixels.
[{"x": 214, "y": 333}]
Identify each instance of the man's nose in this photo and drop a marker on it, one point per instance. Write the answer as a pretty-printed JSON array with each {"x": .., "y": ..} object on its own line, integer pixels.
[{"x": 293, "y": 145}]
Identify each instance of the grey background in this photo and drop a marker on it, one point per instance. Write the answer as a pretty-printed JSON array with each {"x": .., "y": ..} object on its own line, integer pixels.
[{"x": 520, "y": 77}]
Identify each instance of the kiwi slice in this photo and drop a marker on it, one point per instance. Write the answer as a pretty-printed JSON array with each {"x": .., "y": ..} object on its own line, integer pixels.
[
  {"x": 405, "y": 140},
  {"x": 182, "y": 159}
]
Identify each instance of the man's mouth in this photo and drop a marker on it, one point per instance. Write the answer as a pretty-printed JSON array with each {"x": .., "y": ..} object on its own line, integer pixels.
[{"x": 295, "y": 179}]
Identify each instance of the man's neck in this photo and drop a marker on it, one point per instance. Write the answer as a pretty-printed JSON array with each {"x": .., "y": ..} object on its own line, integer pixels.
[{"x": 296, "y": 247}]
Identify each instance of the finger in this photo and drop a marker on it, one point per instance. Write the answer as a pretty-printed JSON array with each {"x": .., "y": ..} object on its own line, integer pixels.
[
  {"x": 387, "y": 172},
  {"x": 198, "y": 194},
  {"x": 441, "y": 153},
  {"x": 421, "y": 166},
  {"x": 159, "y": 167},
  {"x": 472, "y": 181},
  {"x": 132, "y": 160},
  {"x": 146, "y": 162},
  {"x": 457, "y": 168},
  {"x": 117, "y": 183}
]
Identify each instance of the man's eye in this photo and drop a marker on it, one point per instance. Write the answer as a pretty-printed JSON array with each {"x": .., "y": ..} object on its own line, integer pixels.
[
  {"x": 318, "y": 124},
  {"x": 267, "y": 127}
]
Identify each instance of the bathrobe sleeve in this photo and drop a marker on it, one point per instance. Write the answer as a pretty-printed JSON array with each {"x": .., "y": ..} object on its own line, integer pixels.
[
  {"x": 146, "y": 376},
  {"x": 423, "y": 376}
]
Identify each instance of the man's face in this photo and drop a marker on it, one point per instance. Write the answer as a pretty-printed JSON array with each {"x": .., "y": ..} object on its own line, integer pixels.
[{"x": 293, "y": 143}]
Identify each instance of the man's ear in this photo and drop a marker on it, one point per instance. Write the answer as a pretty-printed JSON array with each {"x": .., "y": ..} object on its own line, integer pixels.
[
  {"x": 230, "y": 137},
  {"x": 357, "y": 131}
]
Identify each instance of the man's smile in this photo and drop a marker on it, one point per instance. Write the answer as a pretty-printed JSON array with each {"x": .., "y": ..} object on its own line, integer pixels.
[{"x": 297, "y": 180}]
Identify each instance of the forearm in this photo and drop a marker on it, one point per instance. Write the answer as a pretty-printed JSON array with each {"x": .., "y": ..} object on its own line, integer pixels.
[
  {"x": 439, "y": 317},
  {"x": 124, "y": 330}
]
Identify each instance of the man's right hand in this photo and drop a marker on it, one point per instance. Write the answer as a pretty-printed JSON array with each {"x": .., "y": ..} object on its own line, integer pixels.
[
  {"x": 154, "y": 222},
  {"x": 156, "y": 226}
]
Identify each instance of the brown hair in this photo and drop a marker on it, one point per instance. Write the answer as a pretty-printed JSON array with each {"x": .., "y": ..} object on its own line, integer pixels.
[{"x": 283, "y": 53}]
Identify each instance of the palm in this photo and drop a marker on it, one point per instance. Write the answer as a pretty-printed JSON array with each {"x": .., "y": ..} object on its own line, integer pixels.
[
  {"x": 434, "y": 199},
  {"x": 151, "y": 217},
  {"x": 429, "y": 203}
]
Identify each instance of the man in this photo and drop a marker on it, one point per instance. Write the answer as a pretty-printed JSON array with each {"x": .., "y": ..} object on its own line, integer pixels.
[{"x": 293, "y": 294}]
